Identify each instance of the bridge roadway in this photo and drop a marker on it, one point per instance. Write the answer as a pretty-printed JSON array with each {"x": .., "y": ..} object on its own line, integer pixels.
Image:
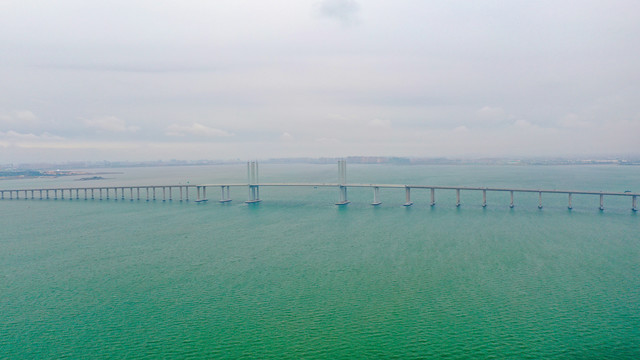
[{"x": 150, "y": 192}]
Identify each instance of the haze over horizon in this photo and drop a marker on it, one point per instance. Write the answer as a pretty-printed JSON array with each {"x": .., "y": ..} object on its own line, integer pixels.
[{"x": 146, "y": 80}]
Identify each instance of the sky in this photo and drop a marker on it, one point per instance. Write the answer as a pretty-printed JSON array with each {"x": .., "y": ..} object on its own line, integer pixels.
[{"x": 246, "y": 79}]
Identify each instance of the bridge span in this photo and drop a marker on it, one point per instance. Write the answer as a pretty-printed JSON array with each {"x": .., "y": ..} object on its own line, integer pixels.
[{"x": 182, "y": 192}]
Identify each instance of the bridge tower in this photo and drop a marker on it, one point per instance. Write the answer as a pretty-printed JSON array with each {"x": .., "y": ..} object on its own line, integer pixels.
[
  {"x": 254, "y": 188},
  {"x": 342, "y": 181}
]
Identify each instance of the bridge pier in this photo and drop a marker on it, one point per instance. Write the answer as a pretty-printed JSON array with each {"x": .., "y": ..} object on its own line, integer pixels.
[
  {"x": 153, "y": 189},
  {"x": 539, "y": 199},
  {"x": 457, "y": 197},
  {"x": 224, "y": 196},
  {"x": 253, "y": 181},
  {"x": 433, "y": 197},
  {"x": 376, "y": 202},
  {"x": 186, "y": 195},
  {"x": 484, "y": 198},
  {"x": 570, "y": 206},
  {"x": 342, "y": 176},
  {"x": 633, "y": 203},
  {"x": 407, "y": 191},
  {"x": 601, "y": 202},
  {"x": 204, "y": 193},
  {"x": 164, "y": 194},
  {"x": 511, "y": 205}
]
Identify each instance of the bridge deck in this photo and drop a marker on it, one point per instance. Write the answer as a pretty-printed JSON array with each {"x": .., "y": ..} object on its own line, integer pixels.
[{"x": 389, "y": 186}]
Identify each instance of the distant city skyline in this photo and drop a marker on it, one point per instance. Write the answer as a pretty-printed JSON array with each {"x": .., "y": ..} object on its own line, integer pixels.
[{"x": 148, "y": 80}]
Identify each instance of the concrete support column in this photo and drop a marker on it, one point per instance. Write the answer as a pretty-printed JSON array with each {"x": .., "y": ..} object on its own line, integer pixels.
[
  {"x": 186, "y": 194},
  {"x": 342, "y": 180},
  {"x": 198, "y": 193},
  {"x": 147, "y": 193},
  {"x": 130, "y": 194},
  {"x": 601, "y": 202},
  {"x": 457, "y": 197},
  {"x": 511, "y": 205},
  {"x": 570, "y": 205},
  {"x": 180, "y": 193},
  {"x": 540, "y": 200},
  {"x": 154, "y": 193},
  {"x": 224, "y": 196},
  {"x": 253, "y": 181},
  {"x": 40, "y": 195},
  {"x": 433, "y": 197},
  {"x": 376, "y": 201},
  {"x": 484, "y": 198},
  {"x": 164, "y": 194},
  {"x": 407, "y": 191},
  {"x": 633, "y": 203},
  {"x": 85, "y": 193}
]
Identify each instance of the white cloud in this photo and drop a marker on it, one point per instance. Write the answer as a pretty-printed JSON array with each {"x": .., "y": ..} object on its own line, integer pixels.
[
  {"x": 574, "y": 121},
  {"x": 286, "y": 136},
  {"x": 324, "y": 140},
  {"x": 378, "y": 123},
  {"x": 14, "y": 136},
  {"x": 111, "y": 124},
  {"x": 491, "y": 113},
  {"x": 521, "y": 123},
  {"x": 19, "y": 117},
  {"x": 196, "y": 129}
]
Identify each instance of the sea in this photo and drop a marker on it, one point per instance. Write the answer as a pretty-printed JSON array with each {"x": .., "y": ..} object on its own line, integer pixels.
[{"x": 297, "y": 277}]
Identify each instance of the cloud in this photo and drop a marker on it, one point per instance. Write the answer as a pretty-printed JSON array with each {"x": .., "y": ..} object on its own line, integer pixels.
[
  {"x": 491, "y": 113},
  {"x": 461, "y": 129},
  {"x": 344, "y": 11},
  {"x": 286, "y": 136},
  {"x": 14, "y": 136},
  {"x": 197, "y": 130},
  {"x": 111, "y": 124},
  {"x": 19, "y": 117},
  {"x": 574, "y": 121},
  {"x": 378, "y": 123},
  {"x": 324, "y": 140}
]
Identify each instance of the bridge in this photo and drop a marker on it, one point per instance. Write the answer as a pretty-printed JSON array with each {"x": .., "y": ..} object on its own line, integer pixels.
[{"x": 181, "y": 192}]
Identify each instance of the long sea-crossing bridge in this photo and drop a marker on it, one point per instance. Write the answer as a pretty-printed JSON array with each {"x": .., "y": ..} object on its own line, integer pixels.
[{"x": 181, "y": 192}]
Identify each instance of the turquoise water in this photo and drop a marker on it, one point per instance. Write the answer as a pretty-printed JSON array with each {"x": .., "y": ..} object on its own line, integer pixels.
[{"x": 297, "y": 277}]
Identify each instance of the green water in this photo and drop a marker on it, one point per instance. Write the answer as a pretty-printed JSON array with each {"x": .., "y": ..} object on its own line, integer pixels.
[{"x": 297, "y": 277}]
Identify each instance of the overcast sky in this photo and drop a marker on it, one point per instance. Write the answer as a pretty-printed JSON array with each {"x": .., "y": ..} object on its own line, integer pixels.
[{"x": 227, "y": 79}]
